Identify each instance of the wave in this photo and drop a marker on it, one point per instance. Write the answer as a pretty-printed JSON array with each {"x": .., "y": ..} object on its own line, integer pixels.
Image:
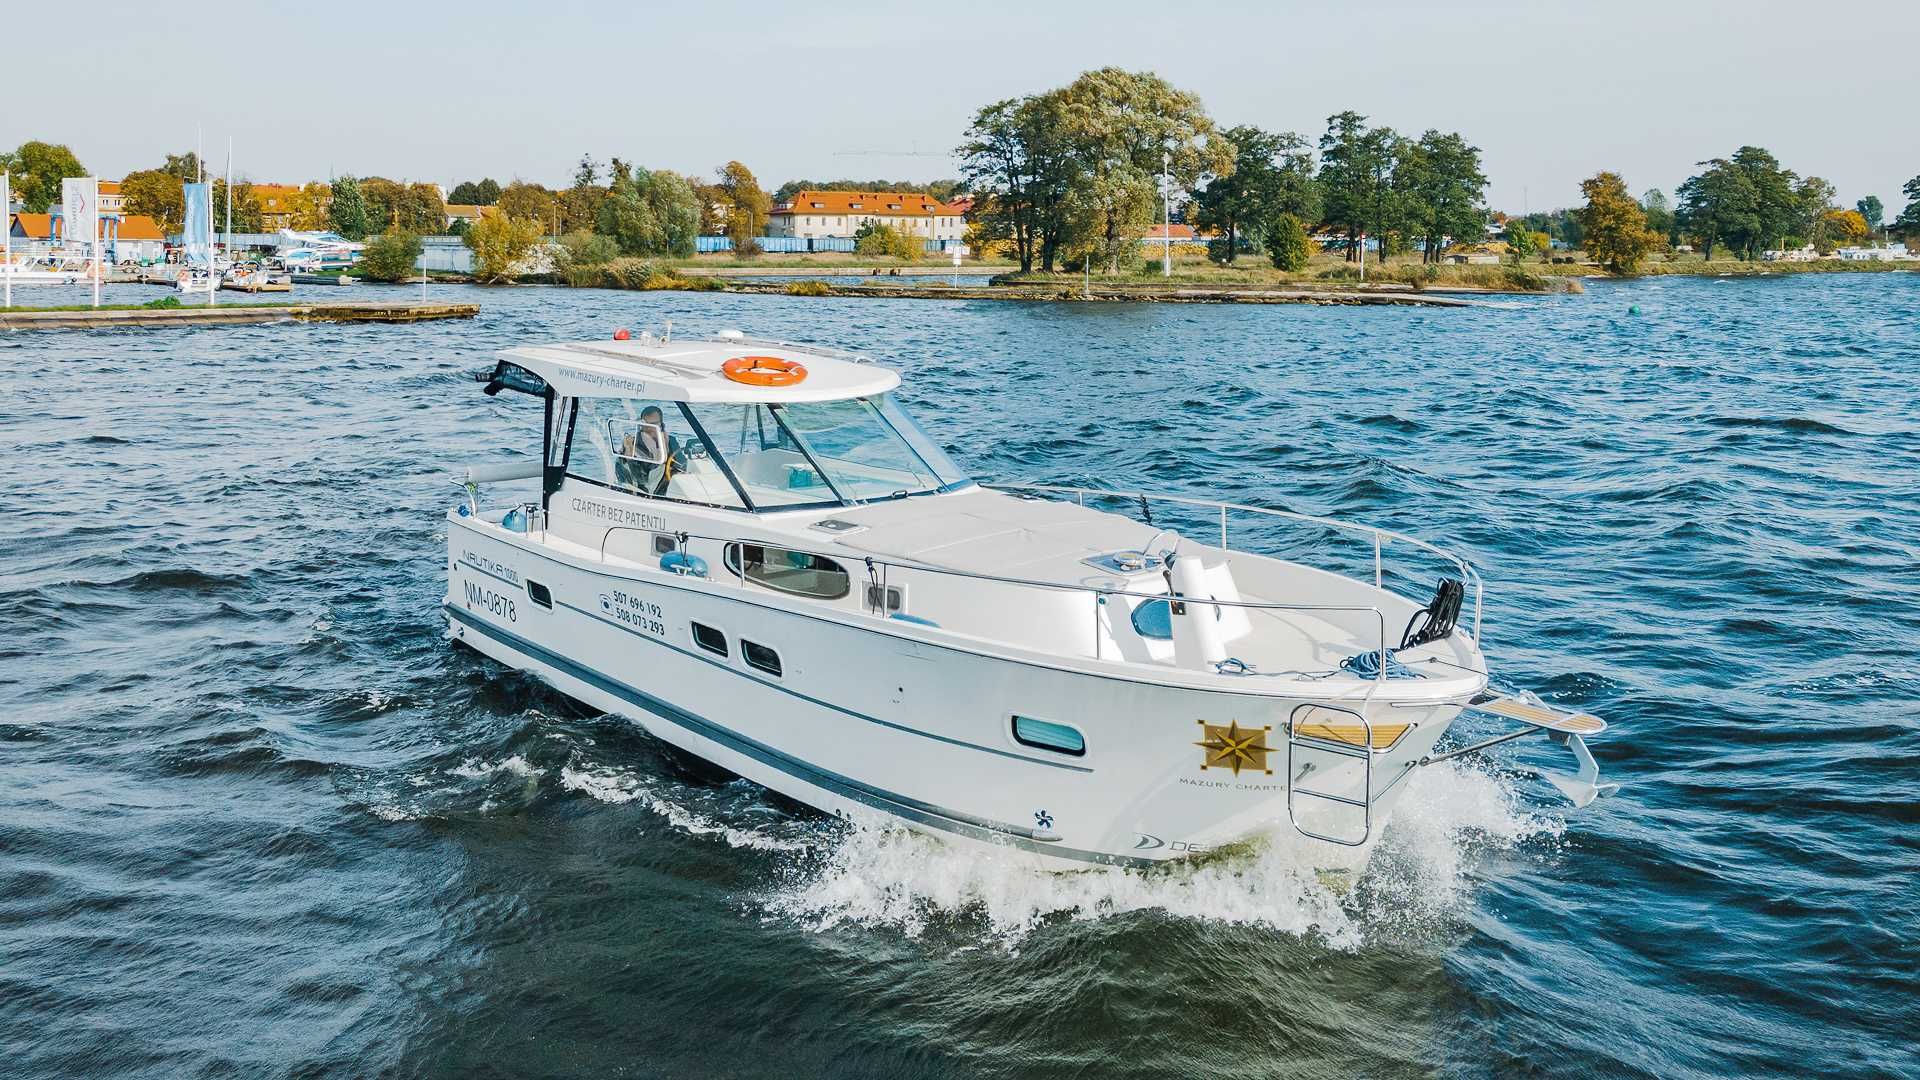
[
  {"x": 882, "y": 875},
  {"x": 1800, "y": 424}
]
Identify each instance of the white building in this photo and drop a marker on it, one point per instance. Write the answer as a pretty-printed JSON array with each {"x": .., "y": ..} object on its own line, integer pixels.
[
  {"x": 1895, "y": 253},
  {"x": 841, "y": 213}
]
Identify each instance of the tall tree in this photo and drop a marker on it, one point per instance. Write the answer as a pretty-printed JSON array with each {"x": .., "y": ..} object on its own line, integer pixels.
[
  {"x": 155, "y": 193},
  {"x": 184, "y": 167},
  {"x": 1017, "y": 158},
  {"x": 1908, "y": 223},
  {"x": 1122, "y": 126},
  {"x": 1812, "y": 200},
  {"x": 1356, "y": 172},
  {"x": 1444, "y": 192},
  {"x": 1272, "y": 175},
  {"x": 1615, "y": 226},
  {"x": 747, "y": 206},
  {"x": 347, "y": 210},
  {"x": 530, "y": 202},
  {"x": 37, "y": 168},
  {"x": 1716, "y": 205},
  {"x": 475, "y": 193},
  {"x": 235, "y": 205},
  {"x": 1659, "y": 211},
  {"x": 650, "y": 213},
  {"x": 1872, "y": 211}
]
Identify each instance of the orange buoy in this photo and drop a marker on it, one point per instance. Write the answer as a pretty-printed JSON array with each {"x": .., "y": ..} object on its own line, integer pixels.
[{"x": 764, "y": 370}]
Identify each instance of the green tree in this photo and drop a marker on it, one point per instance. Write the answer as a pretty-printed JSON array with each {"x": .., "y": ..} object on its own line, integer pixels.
[
  {"x": 1017, "y": 159},
  {"x": 389, "y": 257},
  {"x": 37, "y": 168},
  {"x": 877, "y": 240},
  {"x": 1615, "y": 227},
  {"x": 500, "y": 243},
  {"x": 1288, "y": 244},
  {"x": 155, "y": 193},
  {"x": 1356, "y": 174},
  {"x": 1716, "y": 205},
  {"x": 1908, "y": 223},
  {"x": 1444, "y": 192},
  {"x": 475, "y": 193},
  {"x": 1272, "y": 175},
  {"x": 1872, "y": 211},
  {"x": 1659, "y": 211},
  {"x": 1812, "y": 199},
  {"x": 1520, "y": 239},
  {"x": 530, "y": 202},
  {"x": 650, "y": 213},
  {"x": 747, "y": 206},
  {"x": 183, "y": 167},
  {"x": 1120, "y": 126},
  {"x": 347, "y": 211},
  {"x": 245, "y": 208}
]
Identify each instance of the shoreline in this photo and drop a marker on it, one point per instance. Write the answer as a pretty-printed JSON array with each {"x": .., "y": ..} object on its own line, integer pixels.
[{"x": 230, "y": 315}]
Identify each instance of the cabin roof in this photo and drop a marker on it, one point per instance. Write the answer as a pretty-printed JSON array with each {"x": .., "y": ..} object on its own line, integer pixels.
[{"x": 691, "y": 371}]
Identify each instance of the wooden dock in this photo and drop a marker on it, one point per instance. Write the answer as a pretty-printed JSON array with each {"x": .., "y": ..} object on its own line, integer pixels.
[{"x": 232, "y": 314}]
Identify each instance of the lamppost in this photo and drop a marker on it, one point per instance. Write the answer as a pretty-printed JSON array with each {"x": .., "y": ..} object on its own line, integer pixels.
[{"x": 1166, "y": 215}]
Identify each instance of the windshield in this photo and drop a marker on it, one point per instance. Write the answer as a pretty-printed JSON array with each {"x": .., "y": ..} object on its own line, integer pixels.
[{"x": 856, "y": 450}]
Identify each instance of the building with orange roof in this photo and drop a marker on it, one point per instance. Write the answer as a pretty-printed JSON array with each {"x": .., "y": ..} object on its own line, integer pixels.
[
  {"x": 841, "y": 213},
  {"x": 278, "y": 203},
  {"x": 129, "y": 238}
]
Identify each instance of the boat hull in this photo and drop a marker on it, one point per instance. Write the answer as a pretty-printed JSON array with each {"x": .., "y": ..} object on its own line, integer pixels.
[{"x": 862, "y": 717}]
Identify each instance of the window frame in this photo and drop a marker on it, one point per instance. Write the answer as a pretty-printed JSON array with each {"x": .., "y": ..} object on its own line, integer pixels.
[
  {"x": 1013, "y": 730},
  {"x": 777, "y": 670},
  {"x": 695, "y": 626},
  {"x": 734, "y": 559}
]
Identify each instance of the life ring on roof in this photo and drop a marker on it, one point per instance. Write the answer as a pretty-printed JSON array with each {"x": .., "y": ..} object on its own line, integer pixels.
[{"x": 764, "y": 370}]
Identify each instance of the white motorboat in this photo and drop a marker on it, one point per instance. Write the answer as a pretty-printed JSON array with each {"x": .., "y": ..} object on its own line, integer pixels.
[{"x": 751, "y": 550}]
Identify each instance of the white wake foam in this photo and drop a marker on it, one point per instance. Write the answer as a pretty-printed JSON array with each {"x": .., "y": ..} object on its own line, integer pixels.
[
  {"x": 610, "y": 786},
  {"x": 882, "y": 875}
]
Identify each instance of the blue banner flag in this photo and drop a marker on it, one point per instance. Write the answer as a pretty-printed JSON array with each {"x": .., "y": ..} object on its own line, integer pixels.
[{"x": 196, "y": 228}]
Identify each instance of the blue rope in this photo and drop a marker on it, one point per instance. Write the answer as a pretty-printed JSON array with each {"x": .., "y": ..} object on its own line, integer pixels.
[{"x": 1367, "y": 666}]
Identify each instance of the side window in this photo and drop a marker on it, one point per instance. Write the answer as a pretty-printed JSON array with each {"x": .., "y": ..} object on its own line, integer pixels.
[
  {"x": 759, "y": 656},
  {"x": 646, "y": 448},
  {"x": 1046, "y": 735},
  {"x": 710, "y": 639},
  {"x": 801, "y": 573}
]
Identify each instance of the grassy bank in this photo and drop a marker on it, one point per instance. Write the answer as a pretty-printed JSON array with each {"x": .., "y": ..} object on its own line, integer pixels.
[{"x": 1321, "y": 272}]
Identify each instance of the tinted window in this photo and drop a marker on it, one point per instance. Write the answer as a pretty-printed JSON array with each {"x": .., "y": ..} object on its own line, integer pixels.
[
  {"x": 759, "y": 656},
  {"x": 646, "y": 448},
  {"x": 1043, "y": 735},
  {"x": 539, "y": 593},
  {"x": 710, "y": 639},
  {"x": 801, "y": 573}
]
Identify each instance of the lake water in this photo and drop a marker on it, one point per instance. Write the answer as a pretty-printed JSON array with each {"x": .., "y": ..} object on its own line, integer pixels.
[{"x": 258, "y": 818}]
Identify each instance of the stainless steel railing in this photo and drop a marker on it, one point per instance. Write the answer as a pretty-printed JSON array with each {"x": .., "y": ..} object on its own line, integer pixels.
[
  {"x": 1380, "y": 537},
  {"x": 881, "y": 568}
]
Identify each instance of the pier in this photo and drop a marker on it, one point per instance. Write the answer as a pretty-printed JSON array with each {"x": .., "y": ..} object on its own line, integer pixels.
[{"x": 231, "y": 314}]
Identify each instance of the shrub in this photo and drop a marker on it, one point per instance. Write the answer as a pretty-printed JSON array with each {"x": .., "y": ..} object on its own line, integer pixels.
[
  {"x": 389, "y": 257},
  {"x": 1288, "y": 244},
  {"x": 809, "y": 288},
  {"x": 163, "y": 302},
  {"x": 886, "y": 242}
]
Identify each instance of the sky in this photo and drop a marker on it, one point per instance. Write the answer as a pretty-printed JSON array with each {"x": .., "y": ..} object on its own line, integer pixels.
[{"x": 1551, "y": 92}]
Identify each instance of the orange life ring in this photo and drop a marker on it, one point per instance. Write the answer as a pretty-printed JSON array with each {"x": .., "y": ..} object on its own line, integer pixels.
[{"x": 764, "y": 371}]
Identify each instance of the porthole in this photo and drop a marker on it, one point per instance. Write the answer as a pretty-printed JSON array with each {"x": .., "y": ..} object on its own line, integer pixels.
[{"x": 539, "y": 594}]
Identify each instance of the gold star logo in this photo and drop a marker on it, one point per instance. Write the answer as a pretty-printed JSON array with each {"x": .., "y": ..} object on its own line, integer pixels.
[{"x": 1231, "y": 747}]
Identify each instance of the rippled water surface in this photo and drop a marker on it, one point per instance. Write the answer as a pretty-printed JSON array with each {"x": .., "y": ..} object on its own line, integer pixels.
[{"x": 258, "y": 818}]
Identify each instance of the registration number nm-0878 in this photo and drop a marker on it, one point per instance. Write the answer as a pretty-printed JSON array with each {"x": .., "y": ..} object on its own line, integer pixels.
[{"x": 643, "y": 615}]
